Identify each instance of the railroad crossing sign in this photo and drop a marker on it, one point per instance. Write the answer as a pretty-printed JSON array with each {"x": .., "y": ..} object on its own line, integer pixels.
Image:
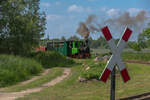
[{"x": 116, "y": 51}]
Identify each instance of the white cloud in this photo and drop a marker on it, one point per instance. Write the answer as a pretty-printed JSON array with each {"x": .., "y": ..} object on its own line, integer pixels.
[
  {"x": 75, "y": 8},
  {"x": 45, "y": 4},
  {"x": 113, "y": 12},
  {"x": 53, "y": 17},
  {"x": 79, "y": 9}
]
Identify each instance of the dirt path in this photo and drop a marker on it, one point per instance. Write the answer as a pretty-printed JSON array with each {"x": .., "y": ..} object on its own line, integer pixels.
[
  {"x": 15, "y": 95},
  {"x": 34, "y": 78}
]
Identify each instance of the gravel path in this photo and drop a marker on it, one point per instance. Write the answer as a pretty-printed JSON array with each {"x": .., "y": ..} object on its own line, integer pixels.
[
  {"x": 35, "y": 77},
  {"x": 15, "y": 95}
]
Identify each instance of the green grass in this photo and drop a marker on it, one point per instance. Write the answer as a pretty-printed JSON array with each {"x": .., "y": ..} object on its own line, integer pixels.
[
  {"x": 130, "y": 55},
  {"x": 53, "y": 73},
  {"x": 14, "y": 69},
  {"x": 71, "y": 89},
  {"x": 141, "y": 56}
]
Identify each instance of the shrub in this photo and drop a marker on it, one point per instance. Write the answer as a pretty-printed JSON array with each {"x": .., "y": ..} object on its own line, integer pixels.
[
  {"x": 14, "y": 69},
  {"x": 52, "y": 59},
  {"x": 94, "y": 72}
]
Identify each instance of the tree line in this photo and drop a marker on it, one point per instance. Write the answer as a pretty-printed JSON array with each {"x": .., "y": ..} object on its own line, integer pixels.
[
  {"x": 21, "y": 26},
  {"x": 142, "y": 42}
]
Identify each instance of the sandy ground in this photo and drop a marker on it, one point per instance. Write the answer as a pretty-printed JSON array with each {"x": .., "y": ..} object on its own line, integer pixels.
[{"x": 15, "y": 95}]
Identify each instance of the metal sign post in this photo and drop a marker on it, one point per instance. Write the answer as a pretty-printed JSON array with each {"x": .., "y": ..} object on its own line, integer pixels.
[
  {"x": 115, "y": 59},
  {"x": 112, "y": 84}
]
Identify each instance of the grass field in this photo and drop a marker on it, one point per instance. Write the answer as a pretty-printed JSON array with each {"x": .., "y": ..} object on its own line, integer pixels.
[
  {"x": 128, "y": 54},
  {"x": 141, "y": 56},
  {"x": 71, "y": 89}
]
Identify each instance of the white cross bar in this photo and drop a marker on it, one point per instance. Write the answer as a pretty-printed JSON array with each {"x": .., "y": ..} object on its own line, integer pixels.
[{"x": 116, "y": 51}]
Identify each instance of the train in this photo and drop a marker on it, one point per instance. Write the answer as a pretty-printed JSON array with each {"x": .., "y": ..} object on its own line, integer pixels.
[{"x": 70, "y": 48}]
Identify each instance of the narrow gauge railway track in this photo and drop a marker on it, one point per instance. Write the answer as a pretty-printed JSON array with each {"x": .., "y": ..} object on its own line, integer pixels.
[
  {"x": 137, "y": 62},
  {"x": 144, "y": 96}
]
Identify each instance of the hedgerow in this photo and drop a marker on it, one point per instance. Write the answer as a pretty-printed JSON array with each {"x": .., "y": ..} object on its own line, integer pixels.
[{"x": 52, "y": 59}]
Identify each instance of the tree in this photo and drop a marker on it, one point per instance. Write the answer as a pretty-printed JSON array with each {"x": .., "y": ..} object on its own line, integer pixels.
[
  {"x": 135, "y": 46},
  {"x": 144, "y": 38},
  {"x": 63, "y": 38},
  {"x": 21, "y": 26},
  {"x": 74, "y": 38},
  {"x": 99, "y": 43}
]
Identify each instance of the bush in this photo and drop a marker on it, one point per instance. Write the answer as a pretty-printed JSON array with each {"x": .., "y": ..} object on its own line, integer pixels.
[
  {"x": 14, "y": 69},
  {"x": 94, "y": 72},
  {"x": 51, "y": 59}
]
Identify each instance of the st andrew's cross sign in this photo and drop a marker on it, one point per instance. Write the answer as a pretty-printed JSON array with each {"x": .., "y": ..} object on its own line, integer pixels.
[{"x": 116, "y": 51}]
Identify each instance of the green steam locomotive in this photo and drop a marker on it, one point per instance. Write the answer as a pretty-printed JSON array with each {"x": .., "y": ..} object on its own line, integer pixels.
[{"x": 75, "y": 49}]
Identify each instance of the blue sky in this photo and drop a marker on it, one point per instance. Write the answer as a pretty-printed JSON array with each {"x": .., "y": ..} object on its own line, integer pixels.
[{"x": 64, "y": 16}]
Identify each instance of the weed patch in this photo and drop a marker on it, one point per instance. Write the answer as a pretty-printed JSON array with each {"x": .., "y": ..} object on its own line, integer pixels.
[
  {"x": 14, "y": 69},
  {"x": 92, "y": 71}
]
